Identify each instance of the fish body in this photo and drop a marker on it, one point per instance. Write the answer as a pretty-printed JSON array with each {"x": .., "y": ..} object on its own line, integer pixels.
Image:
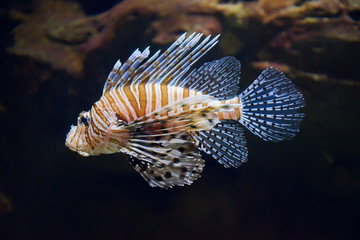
[{"x": 162, "y": 117}]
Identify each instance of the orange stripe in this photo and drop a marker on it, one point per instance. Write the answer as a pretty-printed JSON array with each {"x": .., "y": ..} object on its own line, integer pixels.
[
  {"x": 186, "y": 93},
  {"x": 112, "y": 102},
  {"x": 221, "y": 116},
  {"x": 100, "y": 114},
  {"x": 131, "y": 98},
  {"x": 237, "y": 113},
  {"x": 93, "y": 125},
  {"x": 74, "y": 135},
  {"x": 120, "y": 114},
  {"x": 87, "y": 138},
  {"x": 77, "y": 140},
  {"x": 142, "y": 100},
  {"x": 164, "y": 97},
  {"x": 95, "y": 140}
]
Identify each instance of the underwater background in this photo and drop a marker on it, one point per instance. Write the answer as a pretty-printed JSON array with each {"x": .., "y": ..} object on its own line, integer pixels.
[{"x": 55, "y": 58}]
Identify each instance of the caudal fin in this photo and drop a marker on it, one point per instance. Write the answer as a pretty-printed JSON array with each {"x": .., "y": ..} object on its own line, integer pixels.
[{"x": 269, "y": 106}]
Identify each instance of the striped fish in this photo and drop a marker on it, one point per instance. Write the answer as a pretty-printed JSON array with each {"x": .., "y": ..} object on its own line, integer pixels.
[{"x": 162, "y": 116}]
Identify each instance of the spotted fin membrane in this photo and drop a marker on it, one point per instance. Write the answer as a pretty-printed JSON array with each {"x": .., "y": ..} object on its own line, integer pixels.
[{"x": 174, "y": 162}]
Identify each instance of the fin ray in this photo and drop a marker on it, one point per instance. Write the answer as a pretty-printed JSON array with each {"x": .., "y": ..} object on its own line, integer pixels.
[
  {"x": 225, "y": 143},
  {"x": 160, "y": 68},
  {"x": 270, "y": 106},
  {"x": 166, "y": 161},
  {"x": 219, "y": 78}
]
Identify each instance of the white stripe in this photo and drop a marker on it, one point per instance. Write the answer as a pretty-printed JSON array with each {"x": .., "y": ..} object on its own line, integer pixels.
[
  {"x": 128, "y": 104},
  {"x": 97, "y": 120},
  {"x": 119, "y": 104},
  {"x": 180, "y": 95},
  {"x": 158, "y": 99},
  {"x": 134, "y": 88},
  {"x": 107, "y": 110},
  {"x": 148, "y": 98},
  {"x": 191, "y": 94},
  {"x": 171, "y": 90}
]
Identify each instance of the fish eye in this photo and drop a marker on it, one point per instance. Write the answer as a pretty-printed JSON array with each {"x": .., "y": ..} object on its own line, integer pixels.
[{"x": 83, "y": 120}]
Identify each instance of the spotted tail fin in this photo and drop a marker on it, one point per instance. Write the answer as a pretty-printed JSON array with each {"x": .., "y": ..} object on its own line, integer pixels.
[{"x": 270, "y": 106}]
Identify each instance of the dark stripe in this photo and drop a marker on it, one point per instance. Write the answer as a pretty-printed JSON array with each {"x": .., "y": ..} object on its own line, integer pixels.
[
  {"x": 87, "y": 138},
  {"x": 100, "y": 114},
  {"x": 142, "y": 99},
  {"x": 131, "y": 98},
  {"x": 120, "y": 114},
  {"x": 93, "y": 125}
]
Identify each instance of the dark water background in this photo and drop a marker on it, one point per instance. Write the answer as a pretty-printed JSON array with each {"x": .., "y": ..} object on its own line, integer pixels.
[{"x": 307, "y": 188}]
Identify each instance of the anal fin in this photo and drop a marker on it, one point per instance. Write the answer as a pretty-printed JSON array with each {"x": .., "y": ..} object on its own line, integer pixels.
[{"x": 225, "y": 143}]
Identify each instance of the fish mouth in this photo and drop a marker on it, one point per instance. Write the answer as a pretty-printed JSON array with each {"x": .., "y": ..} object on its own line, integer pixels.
[
  {"x": 75, "y": 142},
  {"x": 70, "y": 140}
]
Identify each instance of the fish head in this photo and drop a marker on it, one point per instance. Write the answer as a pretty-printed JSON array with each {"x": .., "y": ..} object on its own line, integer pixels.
[{"x": 76, "y": 138}]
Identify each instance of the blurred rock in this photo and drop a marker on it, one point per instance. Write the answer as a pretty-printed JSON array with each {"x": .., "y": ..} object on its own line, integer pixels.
[
  {"x": 50, "y": 34},
  {"x": 301, "y": 34}
]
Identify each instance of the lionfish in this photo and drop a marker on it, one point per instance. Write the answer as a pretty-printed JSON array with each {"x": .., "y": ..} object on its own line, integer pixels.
[{"x": 162, "y": 116}]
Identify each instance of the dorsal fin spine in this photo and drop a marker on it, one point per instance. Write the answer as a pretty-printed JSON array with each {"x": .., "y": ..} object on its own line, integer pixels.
[
  {"x": 123, "y": 70},
  {"x": 165, "y": 68},
  {"x": 111, "y": 76},
  {"x": 173, "y": 63},
  {"x": 133, "y": 67},
  {"x": 158, "y": 61},
  {"x": 128, "y": 73},
  {"x": 144, "y": 67},
  {"x": 166, "y": 63},
  {"x": 183, "y": 66},
  {"x": 184, "y": 62},
  {"x": 177, "y": 63},
  {"x": 117, "y": 65},
  {"x": 179, "y": 76},
  {"x": 130, "y": 60},
  {"x": 201, "y": 52}
]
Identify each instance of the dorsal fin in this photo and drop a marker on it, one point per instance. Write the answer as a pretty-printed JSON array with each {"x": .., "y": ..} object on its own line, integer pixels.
[
  {"x": 219, "y": 78},
  {"x": 120, "y": 74},
  {"x": 182, "y": 59},
  {"x": 171, "y": 65}
]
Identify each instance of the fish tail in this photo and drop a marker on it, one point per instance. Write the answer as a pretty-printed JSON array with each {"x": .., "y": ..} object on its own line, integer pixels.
[{"x": 269, "y": 106}]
